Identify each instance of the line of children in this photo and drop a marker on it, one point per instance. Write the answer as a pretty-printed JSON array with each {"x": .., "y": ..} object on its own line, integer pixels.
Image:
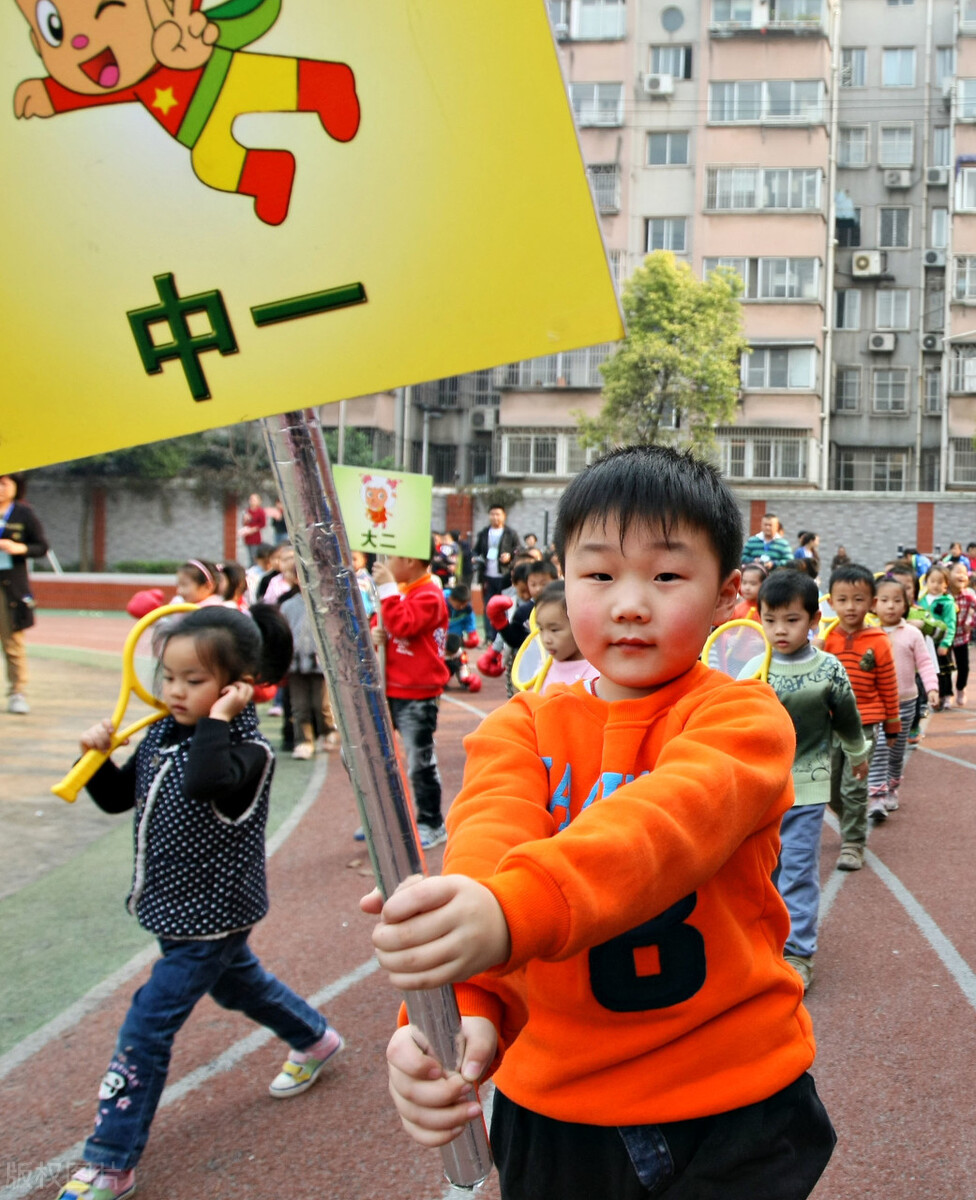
[
  {"x": 614, "y": 843},
  {"x": 199, "y": 784}
]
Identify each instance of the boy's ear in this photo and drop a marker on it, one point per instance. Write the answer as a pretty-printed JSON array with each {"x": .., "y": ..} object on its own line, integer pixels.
[
  {"x": 728, "y": 594},
  {"x": 815, "y": 620}
]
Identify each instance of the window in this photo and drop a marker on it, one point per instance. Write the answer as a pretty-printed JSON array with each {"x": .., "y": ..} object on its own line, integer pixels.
[
  {"x": 898, "y": 67},
  {"x": 896, "y": 146},
  {"x": 746, "y": 453},
  {"x": 739, "y": 265},
  {"x": 939, "y": 228},
  {"x": 963, "y": 360},
  {"x": 597, "y": 103},
  {"x": 753, "y": 188},
  {"x": 872, "y": 470},
  {"x": 541, "y": 452},
  {"x": 962, "y": 461},
  {"x": 666, "y": 233},
  {"x": 605, "y": 178},
  {"x": 599, "y": 20},
  {"x": 891, "y": 390},
  {"x": 788, "y": 279},
  {"x": 559, "y": 15},
  {"x": 945, "y": 65},
  {"x": 965, "y": 274},
  {"x": 847, "y": 392},
  {"x": 933, "y": 391},
  {"x": 779, "y": 368},
  {"x": 791, "y": 12},
  {"x": 847, "y": 309},
  {"x": 966, "y": 189},
  {"x": 896, "y": 3},
  {"x": 893, "y": 309},
  {"x": 966, "y": 99},
  {"x": 570, "y": 368},
  {"x": 940, "y": 146},
  {"x": 671, "y": 60},
  {"x": 894, "y": 228},
  {"x": 737, "y": 12},
  {"x": 848, "y": 232},
  {"x": 852, "y": 149},
  {"x": 667, "y": 149},
  {"x": 933, "y": 302},
  {"x": 853, "y": 67},
  {"x": 773, "y": 100}
]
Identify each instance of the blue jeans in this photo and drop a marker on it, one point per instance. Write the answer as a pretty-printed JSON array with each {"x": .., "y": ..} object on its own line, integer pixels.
[
  {"x": 797, "y": 875},
  {"x": 416, "y": 721},
  {"x": 228, "y": 969}
]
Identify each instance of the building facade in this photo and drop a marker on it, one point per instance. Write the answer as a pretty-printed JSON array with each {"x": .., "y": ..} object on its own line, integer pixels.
[{"x": 825, "y": 150}]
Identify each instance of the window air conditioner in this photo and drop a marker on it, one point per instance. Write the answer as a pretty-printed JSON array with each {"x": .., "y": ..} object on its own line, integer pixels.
[
  {"x": 934, "y": 258},
  {"x": 881, "y": 343},
  {"x": 932, "y": 343},
  {"x": 483, "y": 420},
  {"x": 658, "y": 85},
  {"x": 897, "y": 179},
  {"x": 866, "y": 264},
  {"x": 937, "y": 176}
]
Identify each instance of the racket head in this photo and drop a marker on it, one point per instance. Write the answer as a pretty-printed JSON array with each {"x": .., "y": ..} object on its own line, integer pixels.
[
  {"x": 530, "y": 664},
  {"x": 738, "y": 649}
]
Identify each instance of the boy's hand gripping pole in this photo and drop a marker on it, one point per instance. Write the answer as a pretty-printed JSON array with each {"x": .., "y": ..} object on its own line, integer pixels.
[{"x": 300, "y": 464}]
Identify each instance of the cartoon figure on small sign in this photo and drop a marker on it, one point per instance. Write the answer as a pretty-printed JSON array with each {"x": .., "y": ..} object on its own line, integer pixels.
[
  {"x": 188, "y": 70},
  {"x": 379, "y": 497}
]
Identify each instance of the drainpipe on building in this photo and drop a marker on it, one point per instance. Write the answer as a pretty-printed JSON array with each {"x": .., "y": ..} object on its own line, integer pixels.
[
  {"x": 926, "y": 211},
  {"x": 950, "y": 269},
  {"x": 828, "y": 326}
]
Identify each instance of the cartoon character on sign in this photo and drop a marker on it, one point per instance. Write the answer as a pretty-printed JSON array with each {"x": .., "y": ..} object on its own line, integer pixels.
[
  {"x": 379, "y": 497},
  {"x": 188, "y": 69}
]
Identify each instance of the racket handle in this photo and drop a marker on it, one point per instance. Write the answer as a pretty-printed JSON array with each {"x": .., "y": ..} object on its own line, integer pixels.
[{"x": 78, "y": 776}]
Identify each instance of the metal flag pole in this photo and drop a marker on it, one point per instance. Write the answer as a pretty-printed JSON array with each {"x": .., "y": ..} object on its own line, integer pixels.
[{"x": 296, "y": 449}]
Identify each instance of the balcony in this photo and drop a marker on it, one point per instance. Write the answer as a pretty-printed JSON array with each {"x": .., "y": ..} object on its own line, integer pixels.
[{"x": 762, "y": 18}]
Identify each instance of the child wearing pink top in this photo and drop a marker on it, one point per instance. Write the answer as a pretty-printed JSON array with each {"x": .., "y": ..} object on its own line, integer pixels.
[
  {"x": 552, "y": 620},
  {"x": 911, "y": 658}
]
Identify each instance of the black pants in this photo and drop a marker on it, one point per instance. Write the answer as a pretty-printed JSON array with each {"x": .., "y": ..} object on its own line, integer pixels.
[
  {"x": 961, "y": 655},
  {"x": 774, "y": 1150}
]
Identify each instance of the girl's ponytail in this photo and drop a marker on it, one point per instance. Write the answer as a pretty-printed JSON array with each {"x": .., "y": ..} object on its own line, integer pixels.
[{"x": 276, "y": 643}]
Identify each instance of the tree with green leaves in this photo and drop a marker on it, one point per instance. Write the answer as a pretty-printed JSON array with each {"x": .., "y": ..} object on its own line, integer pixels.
[{"x": 676, "y": 374}]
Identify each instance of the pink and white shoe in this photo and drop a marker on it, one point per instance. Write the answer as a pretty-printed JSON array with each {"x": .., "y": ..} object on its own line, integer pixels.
[
  {"x": 303, "y": 1067},
  {"x": 98, "y": 1183}
]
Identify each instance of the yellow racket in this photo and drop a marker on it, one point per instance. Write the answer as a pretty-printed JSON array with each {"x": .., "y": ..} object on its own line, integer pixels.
[
  {"x": 531, "y": 663},
  {"x": 738, "y": 648},
  {"x": 88, "y": 764}
]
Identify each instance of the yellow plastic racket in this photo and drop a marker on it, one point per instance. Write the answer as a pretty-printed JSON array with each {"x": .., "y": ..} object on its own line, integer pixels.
[
  {"x": 531, "y": 663},
  {"x": 738, "y": 648},
  {"x": 88, "y": 764}
]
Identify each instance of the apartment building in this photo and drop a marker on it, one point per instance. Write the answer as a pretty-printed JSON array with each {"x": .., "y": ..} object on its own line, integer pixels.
[{"x": 825, "y": 149}]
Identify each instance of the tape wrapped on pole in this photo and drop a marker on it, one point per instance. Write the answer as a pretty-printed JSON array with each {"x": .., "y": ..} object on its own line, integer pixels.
[{"x": 300, "y": 463}]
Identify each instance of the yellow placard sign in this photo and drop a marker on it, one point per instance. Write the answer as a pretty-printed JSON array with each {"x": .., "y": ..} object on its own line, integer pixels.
[{"x": 216, "y": 214}]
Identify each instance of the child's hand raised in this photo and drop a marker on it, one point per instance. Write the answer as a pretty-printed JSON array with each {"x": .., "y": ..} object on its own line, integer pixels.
[
  {"x": 434, "y": 1104},
  {"x": 99, "y": 737},
  {"x": 437, "y": 931},
  {"x": 382, "y": 574},
  {"x": 233, "y": 699}
]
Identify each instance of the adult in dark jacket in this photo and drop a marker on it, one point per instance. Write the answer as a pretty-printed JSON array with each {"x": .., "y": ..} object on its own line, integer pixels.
[
  {"x": 493, "y": 550},
  {"x": 21, "y": 537}
]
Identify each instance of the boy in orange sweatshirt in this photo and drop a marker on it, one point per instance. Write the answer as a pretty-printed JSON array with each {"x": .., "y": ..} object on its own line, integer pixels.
[
  {"x": 869, "y": 661},
  {"x": 607, "y": 907}
]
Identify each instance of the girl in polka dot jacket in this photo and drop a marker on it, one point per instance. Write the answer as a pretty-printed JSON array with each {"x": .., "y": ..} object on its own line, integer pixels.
[{"x": 199, "y": 784}]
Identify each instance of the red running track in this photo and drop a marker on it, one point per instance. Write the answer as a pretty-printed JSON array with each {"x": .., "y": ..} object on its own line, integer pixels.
[{"x": 893, "y": 1006}]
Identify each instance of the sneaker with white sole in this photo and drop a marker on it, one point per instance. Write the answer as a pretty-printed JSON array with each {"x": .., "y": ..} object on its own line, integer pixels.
[
  {"x": 18, "y": 704},
  {"x": 891, "y": 801},
  {"x": 303, "y": 1067},
  {"x": 432, "y": 835},
  {"x": 877, "y": 809},
  {"x": 98, "y": 1183}
]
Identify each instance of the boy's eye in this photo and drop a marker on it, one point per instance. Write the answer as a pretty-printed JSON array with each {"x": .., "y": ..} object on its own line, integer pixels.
[
  {"x": 666, "y": 576},
  {"x": 49, "y": 22}
]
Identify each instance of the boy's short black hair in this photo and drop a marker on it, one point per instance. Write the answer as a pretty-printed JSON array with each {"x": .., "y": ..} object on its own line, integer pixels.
[
  {"x": 783, "y": 587},
  {"x": 656, "y": 486},
  {"x": 542, "y": 567},
  {"x": 461, "y": 593},
  {"x": 852, "y": 573},
  {"x": 520, "y": 572}
]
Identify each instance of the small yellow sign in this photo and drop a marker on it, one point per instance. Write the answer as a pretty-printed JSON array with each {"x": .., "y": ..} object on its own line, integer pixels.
[{"x": 216, "y": 214}]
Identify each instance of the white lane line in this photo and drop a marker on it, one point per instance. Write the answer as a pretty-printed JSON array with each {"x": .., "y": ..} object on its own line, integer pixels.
[
  {"x": 55, "y": 1169},
  {"x": 952, "y": 960},
  {"x": 478, "y": 712},
  {"x": 961, "y": 762},
  {"x": 97, "y": 995}
]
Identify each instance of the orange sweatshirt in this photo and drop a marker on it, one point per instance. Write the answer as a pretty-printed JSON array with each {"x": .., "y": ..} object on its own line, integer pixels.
[
  {"x": 631, "y": 847},
  {"x": 870, "y": 665}
]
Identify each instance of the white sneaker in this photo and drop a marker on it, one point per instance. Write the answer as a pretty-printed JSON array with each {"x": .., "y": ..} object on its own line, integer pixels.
[
  {"x": 432, "y": 835},
  {"x": 18, "y": 704}
]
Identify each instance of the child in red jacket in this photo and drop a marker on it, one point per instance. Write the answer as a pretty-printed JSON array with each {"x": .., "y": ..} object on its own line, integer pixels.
[{"x": 415, "y": 619}]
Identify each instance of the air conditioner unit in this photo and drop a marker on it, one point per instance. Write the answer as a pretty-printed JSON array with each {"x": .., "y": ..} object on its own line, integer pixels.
[
  {"x": 483, "y": 420},
  {"x": 937, "y": 176},
  {"x": 934, "y": 258},
  {"x": 658, "y": 85},
  {"x": 932, "y": 343},
  {"x": 866, "y": 264},
  {"x": 897, "y": 179},
  {"x": 882, "y": 343}
]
